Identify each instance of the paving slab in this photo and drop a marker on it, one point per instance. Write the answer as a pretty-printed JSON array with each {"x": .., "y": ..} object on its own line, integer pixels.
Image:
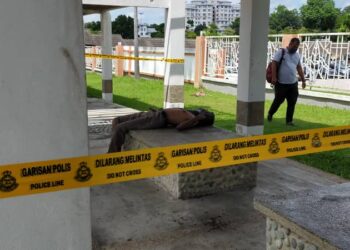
[
  {"x": 140, "y": 215},
  {"x": 322, "y": 215}
]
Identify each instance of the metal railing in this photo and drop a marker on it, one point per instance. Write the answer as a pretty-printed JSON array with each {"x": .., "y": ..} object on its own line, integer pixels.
[
  {"x": 323, "y": 55},
  {"x": 98, "y": 61},
  {"x": 326, "y": 55},
  {"x": 221, "y": 56},
  {"x": 152, "y": 68}
]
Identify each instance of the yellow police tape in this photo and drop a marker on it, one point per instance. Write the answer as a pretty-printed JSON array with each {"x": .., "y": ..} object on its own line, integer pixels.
[
  {"x": 85, "y": 171},
  {"x": 169, "y": 60}
]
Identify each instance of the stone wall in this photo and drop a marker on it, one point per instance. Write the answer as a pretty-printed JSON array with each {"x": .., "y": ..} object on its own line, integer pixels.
[
  {"x": 279, "y": 237},
  {"x": 209, "y": 181},
  {"x": 197, "y": 183}
]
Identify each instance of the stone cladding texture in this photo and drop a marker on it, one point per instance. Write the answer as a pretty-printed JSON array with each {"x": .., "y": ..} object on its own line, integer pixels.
[
  {"x": 279, "y": 237},
  {"x": 203, "y": 182}
]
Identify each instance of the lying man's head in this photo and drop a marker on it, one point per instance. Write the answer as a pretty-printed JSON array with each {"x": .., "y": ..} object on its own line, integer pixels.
[{"x": 206, "y": 118}]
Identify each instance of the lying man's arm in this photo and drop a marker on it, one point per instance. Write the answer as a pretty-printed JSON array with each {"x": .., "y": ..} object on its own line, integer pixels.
[{"x": 190, "y": 123}]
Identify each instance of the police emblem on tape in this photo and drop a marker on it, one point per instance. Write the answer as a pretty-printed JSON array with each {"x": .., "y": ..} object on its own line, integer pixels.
[
  {"x": 215, "y": 154},
  {"x": 161, "y": 162},
  {"x": 274, "y": 148},
  {"x": 316, "y": 141},
  {"x": 7, "y": 182},
  {"x": 83, "y": 172}
]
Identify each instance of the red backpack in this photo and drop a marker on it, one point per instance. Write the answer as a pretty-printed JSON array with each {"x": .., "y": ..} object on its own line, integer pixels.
[{"x": 269, "y": 69}]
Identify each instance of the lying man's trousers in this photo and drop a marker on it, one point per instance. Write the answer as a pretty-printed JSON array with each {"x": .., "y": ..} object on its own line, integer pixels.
[{"x": 138, "y": 121}]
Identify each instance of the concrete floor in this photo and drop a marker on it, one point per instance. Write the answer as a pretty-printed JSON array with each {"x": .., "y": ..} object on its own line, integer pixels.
[{"x": 140, "y": 215}]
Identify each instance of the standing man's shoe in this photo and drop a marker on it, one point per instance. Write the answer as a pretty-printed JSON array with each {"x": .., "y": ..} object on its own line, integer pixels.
[
  {"x": 290, "y": 124},
  {"x": 269, "y": 117}
]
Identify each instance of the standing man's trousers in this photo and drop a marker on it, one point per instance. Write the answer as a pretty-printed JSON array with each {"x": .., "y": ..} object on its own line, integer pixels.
[{"x": 285, "y": 91}]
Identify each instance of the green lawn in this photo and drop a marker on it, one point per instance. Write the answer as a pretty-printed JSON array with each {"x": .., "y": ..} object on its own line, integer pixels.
[{"x": 143, "y": 94}]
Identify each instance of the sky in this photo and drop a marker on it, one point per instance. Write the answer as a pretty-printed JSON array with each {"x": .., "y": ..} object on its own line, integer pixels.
[{"x": 154, "y": 15}]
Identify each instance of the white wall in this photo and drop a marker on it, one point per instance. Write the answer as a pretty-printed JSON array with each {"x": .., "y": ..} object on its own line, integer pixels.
[
  {"x": 157, "y": 67},
  {"x": 154, "y": 68},
  {"x": 43, "y": 116}
]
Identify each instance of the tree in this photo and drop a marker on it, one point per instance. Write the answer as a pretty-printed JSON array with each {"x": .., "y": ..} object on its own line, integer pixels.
[
  {"x": 190, "y": 24},
  {"x": 199, "y": 28},
  {"x": 191, "y": 34},
  {"x": 289, "y": 30},
  {"x": 319, "y": 15},
  {"x": 212, "y": 30},
  {"x": 123, "y": 25},
  {"x": 284, "y": 19},
  {"x": 235, "y": 25},
  {"x": 228, "y": 32},
  {"x": 159, "y": 30},
  {"x": 343, "y": 20},
  {"x": 303, "y": 30},
  {"x": 93, "y": 26},
  {"x": 346, "y": 9}
]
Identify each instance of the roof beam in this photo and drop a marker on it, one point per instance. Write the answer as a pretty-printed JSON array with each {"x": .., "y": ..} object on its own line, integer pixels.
[{"x": 128, "y": 3}]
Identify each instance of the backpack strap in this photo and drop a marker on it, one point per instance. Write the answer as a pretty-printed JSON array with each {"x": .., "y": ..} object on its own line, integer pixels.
[{"x": 280, "y": 62}]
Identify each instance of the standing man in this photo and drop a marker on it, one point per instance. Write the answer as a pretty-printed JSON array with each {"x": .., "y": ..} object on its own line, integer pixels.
[{"x": 285, "y": 80}]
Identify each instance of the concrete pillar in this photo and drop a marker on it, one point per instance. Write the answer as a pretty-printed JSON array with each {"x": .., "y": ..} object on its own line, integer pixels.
[
  {"x": 220, "y": 68},
  {"x": 136, "y": 44},
  {"x": 107, "y": 83},
  {"x": 119, "y": 64},
  {"x": 43, "y": 116},
  {"x": 130, "y": 51},
  {"x": 286, "y": 39},
  {"x": 199, "y": 61},
  {"x": 174, "y": 48},
  {"x": 166, "y": 11},
  {"x": 93, "y": 59},
  {"x": 252, "y": 64}
]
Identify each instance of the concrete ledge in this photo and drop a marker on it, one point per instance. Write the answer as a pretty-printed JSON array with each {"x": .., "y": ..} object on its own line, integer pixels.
[
  {"x": 310, "y": 219},
  {"x": 198, "y": 183}
]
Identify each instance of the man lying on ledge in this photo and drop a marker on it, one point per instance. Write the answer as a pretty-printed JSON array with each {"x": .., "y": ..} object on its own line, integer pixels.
[{"x": 177, "y": 117}]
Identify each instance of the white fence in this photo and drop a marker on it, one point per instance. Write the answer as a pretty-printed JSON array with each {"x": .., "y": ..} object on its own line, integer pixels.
[
  {"x": 323, "y": 56},
  {"x": 148, "y": 68}
]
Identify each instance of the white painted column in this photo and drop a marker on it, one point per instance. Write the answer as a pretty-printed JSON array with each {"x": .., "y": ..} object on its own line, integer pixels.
[
  {"x": 174, "y": 44},
  {"x": 166, "y": 11},
  {"x": 136, "y": 44},
  {"x": 107, "y": 83},
  {"x": 43, "y": 116},
  {"x": 252, "y": 65}
]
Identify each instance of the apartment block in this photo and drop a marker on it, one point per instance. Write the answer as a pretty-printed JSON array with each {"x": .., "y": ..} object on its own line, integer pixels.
[{"x": 205, "y": 12}]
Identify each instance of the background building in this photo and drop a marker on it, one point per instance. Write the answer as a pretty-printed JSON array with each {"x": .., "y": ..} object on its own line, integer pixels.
[
  {"x": 205, "y": 12},
  {"x": 145, "y": 31}
]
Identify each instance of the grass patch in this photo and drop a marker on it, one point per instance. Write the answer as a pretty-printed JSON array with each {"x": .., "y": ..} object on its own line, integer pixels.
[{"x": 143, "y": 94}]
